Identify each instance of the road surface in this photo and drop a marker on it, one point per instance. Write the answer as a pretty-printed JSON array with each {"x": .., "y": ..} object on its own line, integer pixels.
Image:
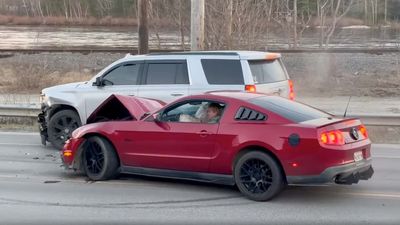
[{"x": 34, "y": 189}]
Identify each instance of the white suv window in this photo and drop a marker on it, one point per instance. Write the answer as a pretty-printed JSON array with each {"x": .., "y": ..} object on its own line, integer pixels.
[
  {"x": 167, "y": 73},
  {"x": 264, "y": 71},
  {"x": 126, "y": 74},
  {"x": 223, "y": 71}
]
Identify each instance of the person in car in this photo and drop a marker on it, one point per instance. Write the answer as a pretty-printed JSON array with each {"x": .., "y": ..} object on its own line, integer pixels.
[
  {"x": 213, "y": 113},
  {"x": 209, "y": 114}
]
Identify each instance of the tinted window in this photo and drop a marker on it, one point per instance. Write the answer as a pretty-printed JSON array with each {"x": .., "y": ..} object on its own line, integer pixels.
[
  {"x": 291, "y": 110},
  {"x": 267, "y": 71},
  {"x": 221, "y": 71},
  {"x": 123, "y": 75},
  {"x": 167, "y": 73}
]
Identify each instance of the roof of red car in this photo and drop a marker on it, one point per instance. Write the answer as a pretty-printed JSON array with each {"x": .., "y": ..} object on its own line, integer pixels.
[{"x": 241, "y": 95}]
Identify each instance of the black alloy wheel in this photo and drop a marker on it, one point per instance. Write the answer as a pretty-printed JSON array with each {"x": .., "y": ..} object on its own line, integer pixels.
[
  {"x": 60, "y": 127},
  {"x": 258, "y": 176},
  {"x": 99, "y": 159}
]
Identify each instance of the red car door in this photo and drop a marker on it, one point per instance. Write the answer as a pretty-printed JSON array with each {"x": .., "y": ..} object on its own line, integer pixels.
[{"x": 171, "y": 145}]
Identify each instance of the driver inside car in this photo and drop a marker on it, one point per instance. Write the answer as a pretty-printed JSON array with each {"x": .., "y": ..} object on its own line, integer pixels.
[{"x": 210, "y": 113}]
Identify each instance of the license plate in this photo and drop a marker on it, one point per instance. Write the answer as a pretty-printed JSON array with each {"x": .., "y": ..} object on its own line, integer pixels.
[{"x": 358, "y": 156}]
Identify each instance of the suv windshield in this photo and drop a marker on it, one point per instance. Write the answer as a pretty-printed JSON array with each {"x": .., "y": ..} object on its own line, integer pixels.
[
  {"x": 294, "y": 111},
  {"x": 264, "y": 71}
]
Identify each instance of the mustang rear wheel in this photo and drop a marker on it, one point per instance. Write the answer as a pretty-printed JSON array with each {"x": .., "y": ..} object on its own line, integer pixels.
[
  {"x": 100, "y": 161},
  {"x": 258, "y": 176},
  {"x": 61, "y": 125}
]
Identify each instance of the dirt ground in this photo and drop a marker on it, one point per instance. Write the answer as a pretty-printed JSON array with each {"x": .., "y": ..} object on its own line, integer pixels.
[{"x": 314, "y": 74}]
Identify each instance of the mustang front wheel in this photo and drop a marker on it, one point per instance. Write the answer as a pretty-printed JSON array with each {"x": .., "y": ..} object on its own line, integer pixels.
[
  {"x": 258, "y": 176},
  {"x": 100, "y": 161}
]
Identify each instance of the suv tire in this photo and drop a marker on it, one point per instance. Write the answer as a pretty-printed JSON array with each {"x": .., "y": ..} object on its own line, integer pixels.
[{"x": 60, "y": 127}]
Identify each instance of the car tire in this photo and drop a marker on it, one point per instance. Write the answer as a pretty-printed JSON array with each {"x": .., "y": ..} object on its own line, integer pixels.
[
  {"x": 99, "y": 159},
  {"x": 60, "y": 127},
  {"x": 258, "y": 176}
]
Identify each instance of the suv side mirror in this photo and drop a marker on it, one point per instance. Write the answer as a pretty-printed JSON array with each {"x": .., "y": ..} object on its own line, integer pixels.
[{"x": 99, "y": 82}]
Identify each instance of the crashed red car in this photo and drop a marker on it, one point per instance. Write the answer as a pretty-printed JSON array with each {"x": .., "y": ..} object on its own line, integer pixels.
[{"x": 259, "y": 143}]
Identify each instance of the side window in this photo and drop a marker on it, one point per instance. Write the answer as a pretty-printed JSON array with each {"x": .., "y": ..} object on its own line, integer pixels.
[
  {"x": 123, "y": 75},
  {"x": 222, "y": 71},
  {"x": 249, "y": 114},
  {"x": 167, "y": 73},
  {"x": 195, "y": 112}
]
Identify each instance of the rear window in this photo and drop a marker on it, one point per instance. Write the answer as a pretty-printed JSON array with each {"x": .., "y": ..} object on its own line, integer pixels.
[
  {"x": 291, "y": 110},
  {"x": 264, "y": 71},
  {"x": 223, "y": 71}
]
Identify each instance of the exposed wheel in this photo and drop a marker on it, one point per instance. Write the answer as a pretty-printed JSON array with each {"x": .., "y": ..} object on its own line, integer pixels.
[
  {"x": 100, "y": 161},
  {"x": 60, "y": 127},
  {"x": 258, "y": 176}
]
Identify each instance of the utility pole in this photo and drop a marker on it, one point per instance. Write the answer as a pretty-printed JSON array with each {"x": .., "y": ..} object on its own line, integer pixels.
[
  {"x": 197, "y": 25},
  {"x": 295, "y": 24},
  {"x": 385, "y": 12},
  {"x": 143, "y": 29}
]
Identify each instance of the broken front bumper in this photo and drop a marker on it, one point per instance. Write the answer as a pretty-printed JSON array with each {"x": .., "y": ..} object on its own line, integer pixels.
[
  {"x": 344, "y": 174},
  {"x": 42, "y": 121}
]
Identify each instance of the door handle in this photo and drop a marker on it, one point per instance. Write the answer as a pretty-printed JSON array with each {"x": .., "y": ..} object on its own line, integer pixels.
[
  {"x": 278, "y": 92},
  {"x": 203, "y": 133},
  {"x": 176, "y": 94},
  {"x": 131, "y": 95}
]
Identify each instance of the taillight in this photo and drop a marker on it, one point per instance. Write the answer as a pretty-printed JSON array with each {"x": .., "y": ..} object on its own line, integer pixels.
[
  {"x": 250, "y": 88},
  {"x": 291, "y": 90},
  {"x": 364, "y": 131},
  {"x": 334, "y": 137}
]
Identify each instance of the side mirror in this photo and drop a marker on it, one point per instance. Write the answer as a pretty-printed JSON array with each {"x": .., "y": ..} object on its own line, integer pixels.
[{"x": 99, "y": 82}]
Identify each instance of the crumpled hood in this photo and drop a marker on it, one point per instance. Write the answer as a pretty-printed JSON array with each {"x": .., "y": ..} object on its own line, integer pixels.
[{"x": 121, "y": 107}]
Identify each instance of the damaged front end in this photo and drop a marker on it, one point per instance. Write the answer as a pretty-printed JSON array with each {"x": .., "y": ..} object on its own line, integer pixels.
[{"x": 42, "y": 122}]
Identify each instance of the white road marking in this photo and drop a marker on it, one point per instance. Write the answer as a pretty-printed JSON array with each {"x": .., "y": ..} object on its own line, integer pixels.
[
  {"x": 19, "y": 133},
  {"x": 19, "y": 144}
]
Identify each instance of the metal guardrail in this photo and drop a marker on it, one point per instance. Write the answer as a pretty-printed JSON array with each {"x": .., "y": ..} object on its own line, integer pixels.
[
  {"x": 19, "y": 111},
  {"x": 32, "y": 111}
]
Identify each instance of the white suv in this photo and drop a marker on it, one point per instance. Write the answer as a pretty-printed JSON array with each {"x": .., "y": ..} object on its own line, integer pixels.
[{"x": 165, "y": 77}]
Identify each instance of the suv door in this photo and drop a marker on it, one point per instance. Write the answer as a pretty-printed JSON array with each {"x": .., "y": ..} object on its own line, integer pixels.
[
  {"x": 121, "y": 79},
  {"x": 164, "y": 80}
]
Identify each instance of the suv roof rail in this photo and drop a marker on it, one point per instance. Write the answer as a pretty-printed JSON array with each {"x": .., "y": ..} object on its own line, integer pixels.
[{"x": 196, "y": 53}]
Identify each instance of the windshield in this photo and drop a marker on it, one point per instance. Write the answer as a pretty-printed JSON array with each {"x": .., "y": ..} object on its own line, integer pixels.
[
  {"x": 267, "y": 71},
  {"x": 291, "y": 110}
]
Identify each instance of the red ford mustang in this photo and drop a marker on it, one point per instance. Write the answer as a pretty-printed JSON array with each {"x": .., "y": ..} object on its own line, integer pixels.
[{"x": 258, "y": 142}]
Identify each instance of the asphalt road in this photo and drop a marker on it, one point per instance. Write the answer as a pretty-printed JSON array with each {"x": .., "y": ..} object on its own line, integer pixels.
[{"x": 34, "y": 189}]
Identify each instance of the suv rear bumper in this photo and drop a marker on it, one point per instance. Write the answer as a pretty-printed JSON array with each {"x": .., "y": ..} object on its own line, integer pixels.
[{"x": 345, "y": 174}]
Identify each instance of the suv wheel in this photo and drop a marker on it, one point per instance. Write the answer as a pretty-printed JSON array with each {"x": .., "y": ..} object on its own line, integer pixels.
[
  {"x": 258, "y": 176},
  {"x": 61, "y": 125}
]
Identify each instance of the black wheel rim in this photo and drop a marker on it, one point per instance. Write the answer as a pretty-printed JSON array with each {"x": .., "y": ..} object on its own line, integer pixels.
[
  {"x": 256, "y": 176},
  {"x": 63, "y": 128},
  {"x": 94, "y": 157}
]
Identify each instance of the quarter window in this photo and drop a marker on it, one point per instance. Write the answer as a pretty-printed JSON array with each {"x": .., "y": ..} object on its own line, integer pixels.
[
  {"x": 222, "y": 71},
  {"x": 123, "y": 75},
  {"x": 267, "y": 71}
]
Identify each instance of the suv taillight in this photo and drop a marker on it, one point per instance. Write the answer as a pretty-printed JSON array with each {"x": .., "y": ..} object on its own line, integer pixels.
[
  {"x": 291, "y": 90},
  {"x": 250, "y": 88},
  {"x": 334, "y": 137}
]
